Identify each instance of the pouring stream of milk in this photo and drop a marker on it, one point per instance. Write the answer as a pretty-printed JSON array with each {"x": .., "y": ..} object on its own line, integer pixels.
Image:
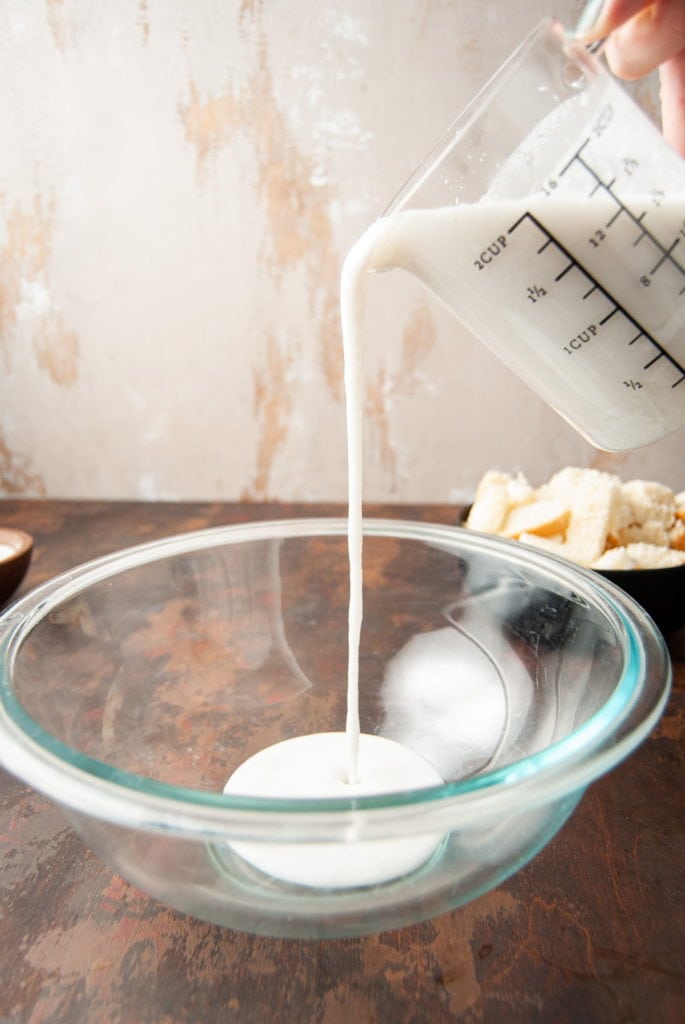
[
  {"x": 352, "y": 301},
  {"x": 352, "y": 763}
]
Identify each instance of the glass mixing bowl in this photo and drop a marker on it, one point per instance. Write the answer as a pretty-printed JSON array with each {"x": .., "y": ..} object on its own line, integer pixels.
[{"x": 134, "y": 685}]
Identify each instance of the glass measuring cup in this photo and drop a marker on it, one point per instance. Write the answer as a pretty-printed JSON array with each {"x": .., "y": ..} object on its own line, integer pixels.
[{"x": 550, "y": 219}]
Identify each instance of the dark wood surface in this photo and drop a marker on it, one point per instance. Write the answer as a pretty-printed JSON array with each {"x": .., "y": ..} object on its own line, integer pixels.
[{"x": 592, "y": 930}]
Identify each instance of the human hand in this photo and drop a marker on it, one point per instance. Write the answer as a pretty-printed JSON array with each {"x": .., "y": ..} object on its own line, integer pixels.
[{"x": 642, "y": 36}]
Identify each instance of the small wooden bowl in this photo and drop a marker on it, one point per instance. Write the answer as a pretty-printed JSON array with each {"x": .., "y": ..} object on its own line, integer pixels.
[{"x": 15, "y": 561}]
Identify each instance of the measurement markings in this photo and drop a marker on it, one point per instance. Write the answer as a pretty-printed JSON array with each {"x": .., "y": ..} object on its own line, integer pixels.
[
  {"x": 665, "y": 256},
  {"x": 596, "y": 286},
  {"x": 638, "y": 221},
  {"x": 666, "y": 253},
  {"x": 565, "y": 271},
  {"x": 615, "y": 217}
]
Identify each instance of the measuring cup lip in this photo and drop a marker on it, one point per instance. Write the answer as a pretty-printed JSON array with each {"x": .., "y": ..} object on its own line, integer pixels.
[{"x": 548, "y": 28}]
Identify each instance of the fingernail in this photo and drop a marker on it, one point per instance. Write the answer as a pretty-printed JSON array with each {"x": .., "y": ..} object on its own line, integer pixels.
[{"x": 589, "y": 18}]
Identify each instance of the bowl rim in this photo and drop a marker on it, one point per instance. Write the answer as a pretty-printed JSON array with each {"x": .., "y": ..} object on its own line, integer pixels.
[{"x": 94, "y": 788}]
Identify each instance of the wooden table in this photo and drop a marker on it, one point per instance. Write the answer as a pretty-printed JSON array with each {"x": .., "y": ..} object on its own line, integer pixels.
[{"x": 592, "y": 930}]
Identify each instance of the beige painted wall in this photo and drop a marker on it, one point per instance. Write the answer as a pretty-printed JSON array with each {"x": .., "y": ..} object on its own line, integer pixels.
[{"x": 179, "y": 183}]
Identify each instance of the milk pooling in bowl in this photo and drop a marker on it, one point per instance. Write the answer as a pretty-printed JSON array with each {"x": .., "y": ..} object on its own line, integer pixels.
[{"x": 314, "y": 766}]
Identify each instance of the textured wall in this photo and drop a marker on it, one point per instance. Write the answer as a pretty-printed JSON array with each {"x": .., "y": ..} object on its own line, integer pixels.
[{"x": 179, "y": 183}]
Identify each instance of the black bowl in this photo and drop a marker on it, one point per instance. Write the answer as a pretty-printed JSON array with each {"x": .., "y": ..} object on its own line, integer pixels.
[{"x": 661, "y": 592}]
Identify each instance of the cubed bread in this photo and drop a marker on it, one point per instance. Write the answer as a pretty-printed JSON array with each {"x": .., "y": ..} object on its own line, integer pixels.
[
  {"x": 543, "y": 518},
  {"x": 640, "y": 556},
  {"x": 496, "y": 494},
  {"x": 586, "y": 515}
]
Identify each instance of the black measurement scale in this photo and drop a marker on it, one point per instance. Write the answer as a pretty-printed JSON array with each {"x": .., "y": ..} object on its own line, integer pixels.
[{"x": 632, "y": 331}]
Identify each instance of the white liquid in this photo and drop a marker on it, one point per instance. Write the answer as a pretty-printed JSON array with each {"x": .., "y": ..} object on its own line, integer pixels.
[
  {"x": 351, "y": 763},
  {"x": 316, "y": 766},
  {"x": 6, "y": 551},
  {"x": 553, "y": 328},
  {"x": 353, "y": 285}
]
